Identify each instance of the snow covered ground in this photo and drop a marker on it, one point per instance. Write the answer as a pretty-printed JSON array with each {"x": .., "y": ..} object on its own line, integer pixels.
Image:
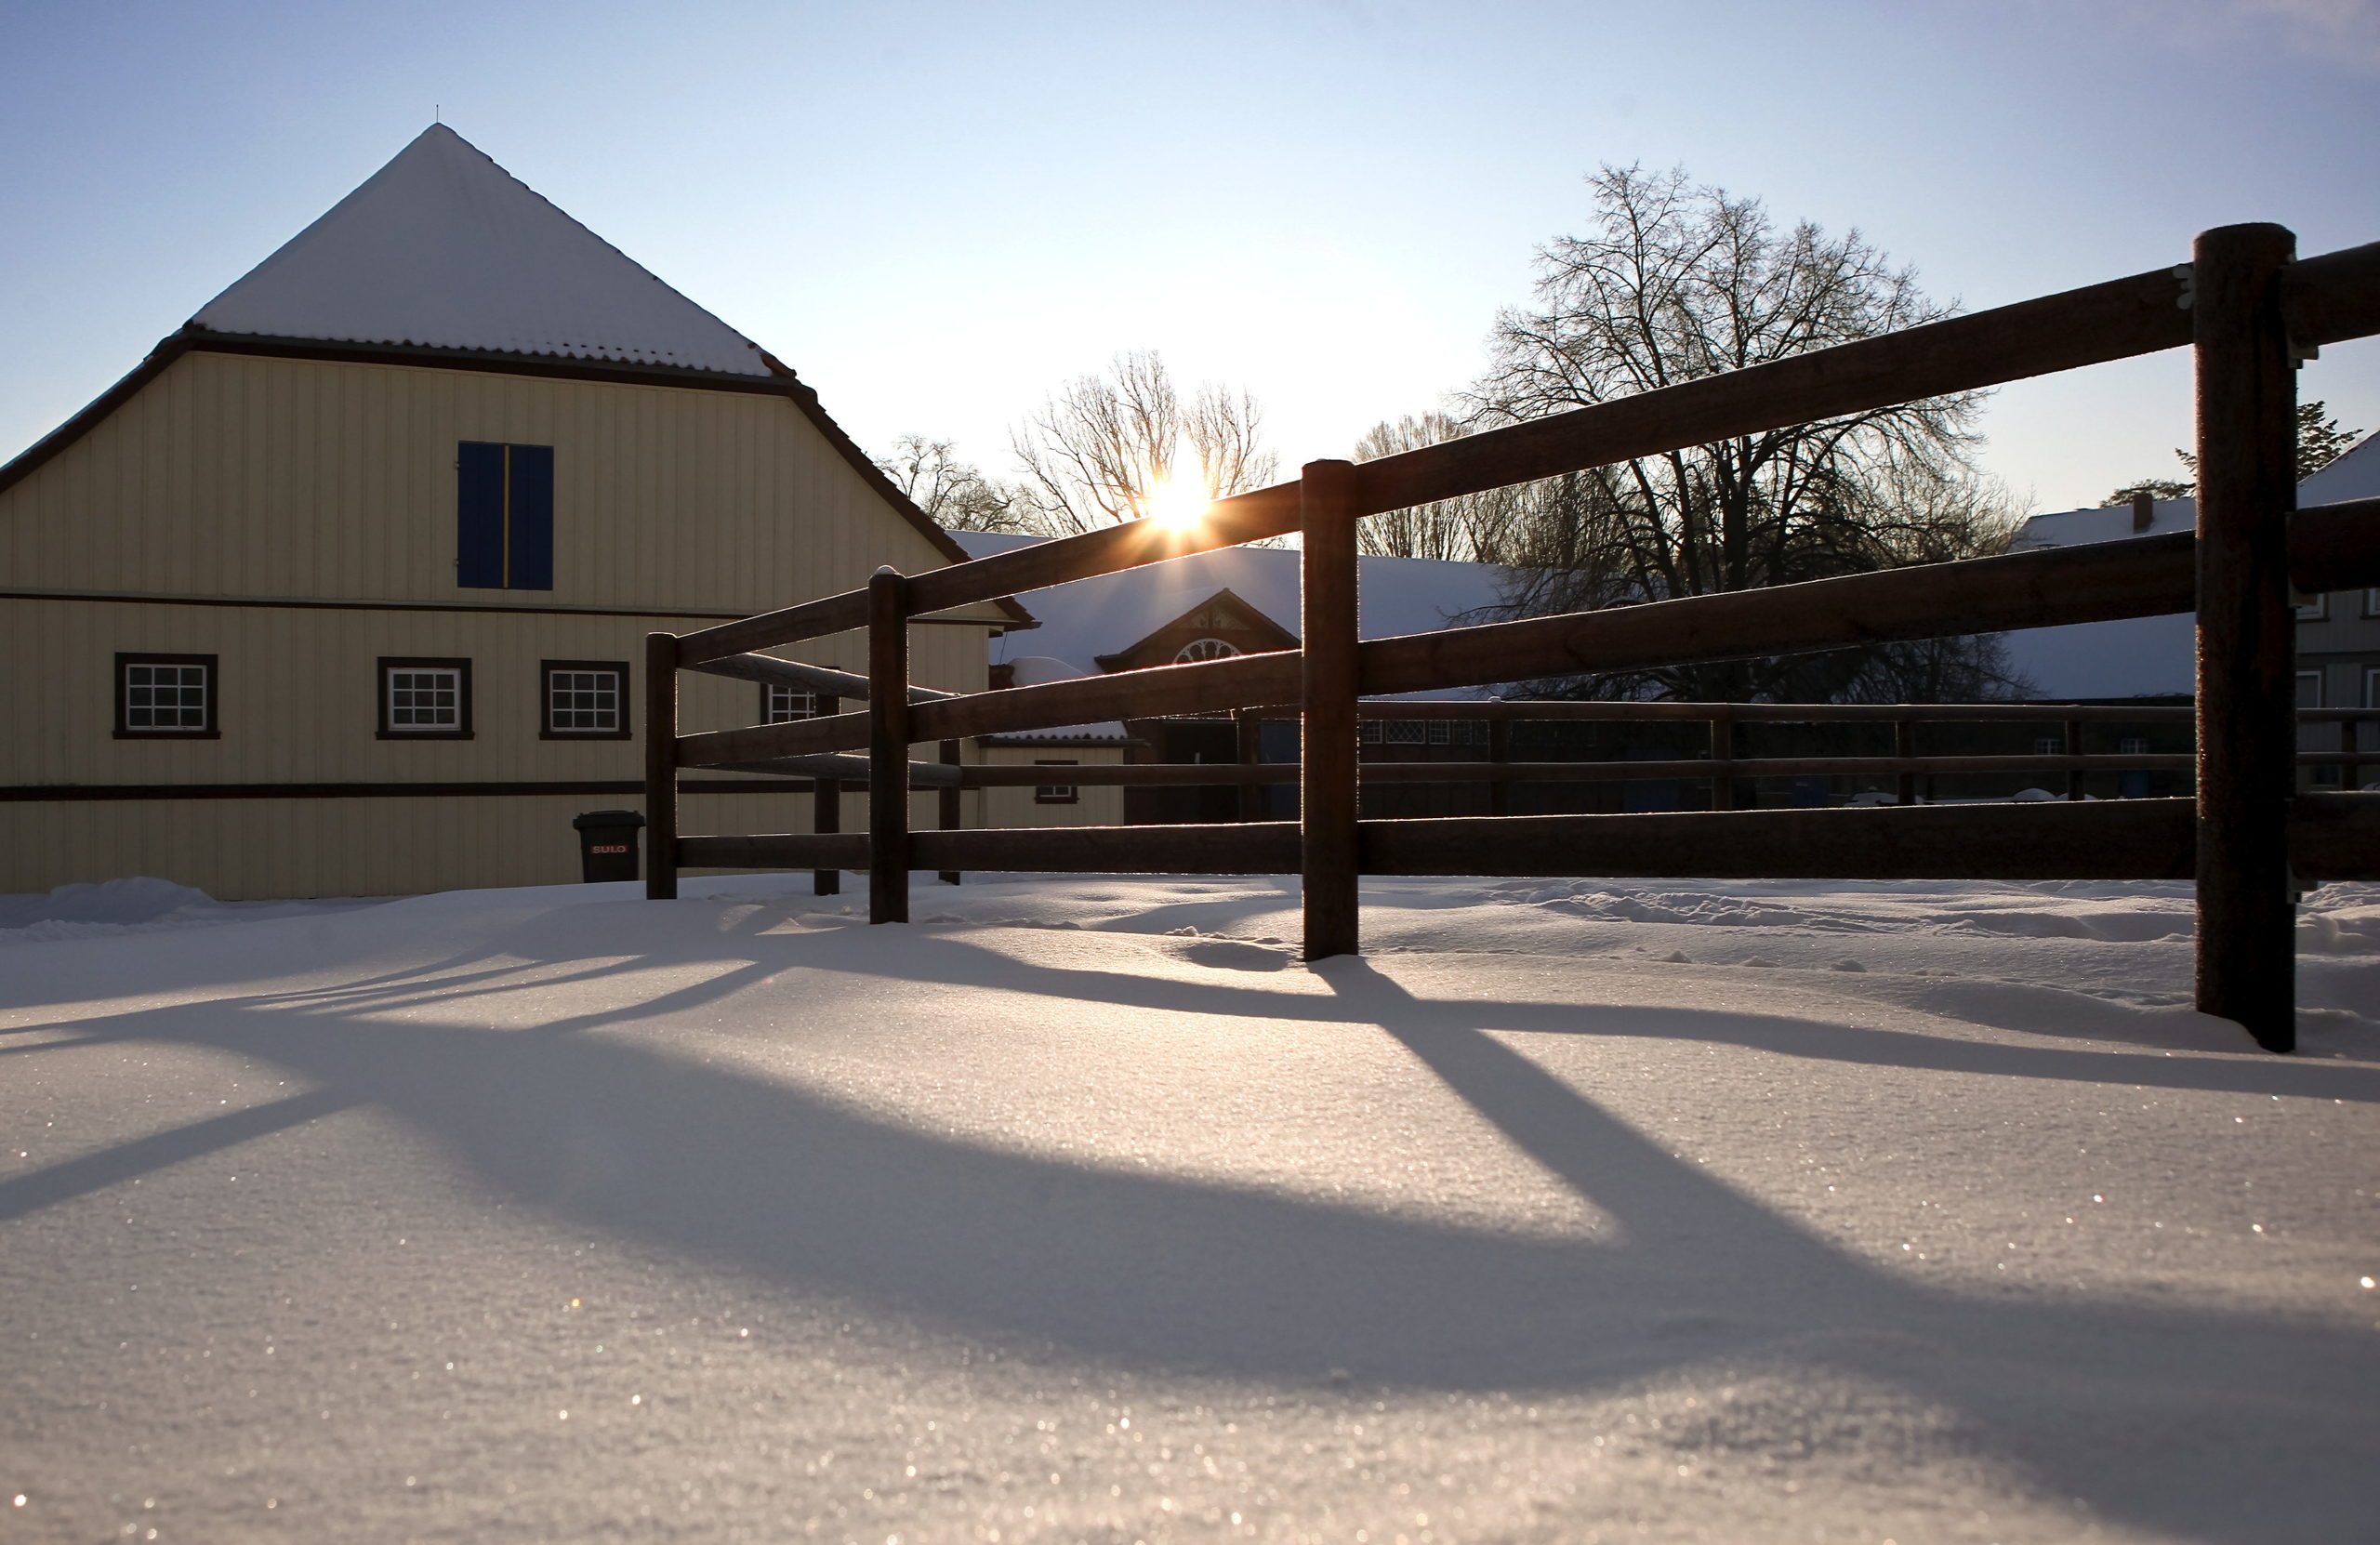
[{"x": 1079, "y": 1209}]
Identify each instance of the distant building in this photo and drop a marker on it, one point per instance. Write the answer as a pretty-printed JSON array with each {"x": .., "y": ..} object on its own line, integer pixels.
[
  {"x": 344, "y": 590},
  {"x": 2338, "y": 634}
]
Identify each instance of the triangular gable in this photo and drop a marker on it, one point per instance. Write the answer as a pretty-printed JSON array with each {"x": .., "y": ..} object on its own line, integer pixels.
[
  {"x": 444, "y": 248},
  {"x": 1245, "y": 615}
]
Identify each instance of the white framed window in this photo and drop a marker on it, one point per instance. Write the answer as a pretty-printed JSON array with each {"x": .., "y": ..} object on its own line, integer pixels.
[
  {"x": 1441, "y": 731},
  {"x": 2372, "y": 686},
  {"x": 582, "y": 699},
  {"x": 2313, "y": 608},
  {"x": 166, "y": 697},
  {"x": 2133, "y": 745},
  {"x": 1204, "y": 649},
  {"x": 1056, "y": 794},
  {"x": 2049, "y": 745},
  {"x": 1406, "y": 731},
  {"x": 424, "y": 699},
  {"x": 2372, "y": 603},
  {"x": 782, "y": 705},
  {"x": 1370, "y": 731},
  {"x": 2309, "y": 689}
]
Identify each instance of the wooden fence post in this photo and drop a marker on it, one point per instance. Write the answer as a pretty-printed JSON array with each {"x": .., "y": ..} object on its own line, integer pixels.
[
  {"x": 1905, "y": 747},
  {"x": 1328, "y": 758},
  {"x": 2247, "y": 703},
  {"x": 1248, "y": 744},
  {"x": 887, "y": 748},
  {"x": 1722, "y": 749},
  {"x": 2074, "y": 748},
  {"x": 1499, "y": 749},
  {"x": 827, "y": 810},
  {"x": 661, "y": 766},
  {"x": 946, "y": 806}
]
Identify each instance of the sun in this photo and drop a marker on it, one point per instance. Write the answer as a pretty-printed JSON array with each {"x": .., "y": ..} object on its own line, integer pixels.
[{"x": 1178, "y": 502}]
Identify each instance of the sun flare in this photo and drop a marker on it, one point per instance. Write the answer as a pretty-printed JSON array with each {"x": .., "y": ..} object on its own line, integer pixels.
[{"x": 1180, "y": 503}]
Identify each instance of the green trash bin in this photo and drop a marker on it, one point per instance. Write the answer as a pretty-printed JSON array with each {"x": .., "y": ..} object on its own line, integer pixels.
[{"x": 607, "y": 844}]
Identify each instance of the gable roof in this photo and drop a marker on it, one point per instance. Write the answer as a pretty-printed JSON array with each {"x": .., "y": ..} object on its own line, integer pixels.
[
  {"x": 1086, "y": 618},
  {"x": 1256, "y": 620},
  {"x": 443, "y": 258},
  {"x": 443, "y": 247}
]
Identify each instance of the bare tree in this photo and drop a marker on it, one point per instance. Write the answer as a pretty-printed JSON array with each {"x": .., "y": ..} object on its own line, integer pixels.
[
  {"x": 955, "y": 492},
  {"x": 1101, "y": 446},
  {"x": 1676, "y": 281},
  {"x": 1476, "y": 527}
]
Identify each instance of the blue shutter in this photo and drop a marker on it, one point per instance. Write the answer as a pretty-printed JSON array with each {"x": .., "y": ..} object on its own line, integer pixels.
[
  {"x": 479, "y": 514},
  {"x": 532, "y": 512}
]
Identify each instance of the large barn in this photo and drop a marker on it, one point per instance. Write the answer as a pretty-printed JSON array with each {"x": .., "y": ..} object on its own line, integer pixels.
[{"x": 343, "y": 590}]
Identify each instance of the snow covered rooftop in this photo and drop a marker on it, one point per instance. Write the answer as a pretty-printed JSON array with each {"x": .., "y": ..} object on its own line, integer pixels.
[
  {"x": 1100, "y": 616},
  {"x": 443, "y": 247}
]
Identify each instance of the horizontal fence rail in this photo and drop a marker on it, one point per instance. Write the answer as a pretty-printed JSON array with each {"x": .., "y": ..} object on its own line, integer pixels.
[
  {"x": 2332, "y": 836},
  {"x": 2244, "y": 309},
  {"x": 2056, "y": 586},
  {"x": 2329, "y": 299}
]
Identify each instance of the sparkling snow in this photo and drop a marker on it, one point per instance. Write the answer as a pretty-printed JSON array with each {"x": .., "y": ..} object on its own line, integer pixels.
[{"x": 1080, "y": 1210}]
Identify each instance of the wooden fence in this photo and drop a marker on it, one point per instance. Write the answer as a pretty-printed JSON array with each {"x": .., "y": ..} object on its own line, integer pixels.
[{"x": 2247, "y": 310}]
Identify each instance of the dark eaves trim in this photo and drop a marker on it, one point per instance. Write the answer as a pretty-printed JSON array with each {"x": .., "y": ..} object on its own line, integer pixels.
[
  {"x": 296, "y": 604},
  {"x": 780, "y": 382},
  {"x": 82, "y": 793}
]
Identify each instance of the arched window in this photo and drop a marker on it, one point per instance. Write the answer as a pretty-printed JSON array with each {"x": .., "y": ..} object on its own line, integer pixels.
[{"x": 1204, "y": 649}]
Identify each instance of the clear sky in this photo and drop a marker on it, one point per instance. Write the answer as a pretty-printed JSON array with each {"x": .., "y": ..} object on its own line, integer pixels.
[{"x": 936, "y": 213}]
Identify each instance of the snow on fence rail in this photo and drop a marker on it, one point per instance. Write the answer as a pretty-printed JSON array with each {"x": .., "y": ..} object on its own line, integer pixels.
[{"x": 2248, "y": 310}]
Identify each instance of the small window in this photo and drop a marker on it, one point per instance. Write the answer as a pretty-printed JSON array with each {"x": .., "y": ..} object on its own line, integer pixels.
[
  {"x": 584, "y": 699},
  {"x": 1056, "y": 794},
  {"x": 2309, "y": 689},
  {"x": 425, "y": 699},
  {"x": 503, "y": 516},
  {"x": 1371, "y": 735},
  {"x": 2372, "y": 687},
  {"x": 1204, "y": 649},
  {"x": 2133, "y": 745},
  {"x": 783, "y": 705},
  {"x": 2372, "y": 603},
  {"x": 164, "y": 696},
  {"x": 2049, "y": 745},
  {"x": 1441, "y": 731},
  {"x": 1406, "y": 731},
  {"x": 2314, "y": 608}
]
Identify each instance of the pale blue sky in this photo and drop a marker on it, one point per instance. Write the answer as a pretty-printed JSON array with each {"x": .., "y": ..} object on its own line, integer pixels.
[{"x": 938, "y": 212}]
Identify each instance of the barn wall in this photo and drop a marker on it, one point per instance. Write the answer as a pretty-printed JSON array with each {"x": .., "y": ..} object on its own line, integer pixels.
[{"x": 262, "y": 477}]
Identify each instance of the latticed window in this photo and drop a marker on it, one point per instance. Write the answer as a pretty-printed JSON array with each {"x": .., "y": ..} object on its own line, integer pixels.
[
  {"x": 1204, "y": 649},
  {"x": 425, "y": 697},
  {"x": 783, "y": 705},
  {"x": 586, "y": 697},
  {"x": 166, "y": 694}
]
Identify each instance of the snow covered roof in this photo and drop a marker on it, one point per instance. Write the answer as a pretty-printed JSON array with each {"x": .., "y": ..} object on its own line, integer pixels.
[
  {"x": 1086, "y": 618},
  {"x": 2354, "y": 473},
  {"x": 443, "y": 247},
  {"x": 1105, "y": 732},
  {"x": 2146, "y": 657}
]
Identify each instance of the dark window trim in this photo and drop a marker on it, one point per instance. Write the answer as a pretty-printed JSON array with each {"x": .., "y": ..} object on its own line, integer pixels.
[
  {"x": 214, "y": 730},
  {"x": 545, "y": 729},
  {"x": 1057, "y": 794},
  {"x": 416, "y": 662}
]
